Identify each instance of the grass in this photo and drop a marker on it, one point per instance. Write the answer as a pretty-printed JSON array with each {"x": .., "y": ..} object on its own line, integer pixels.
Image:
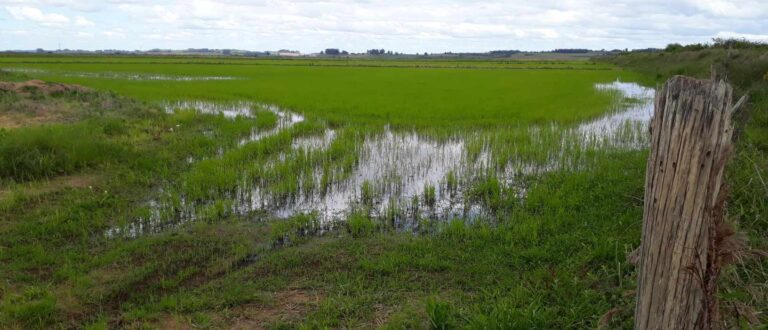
[
  {"x": 400, "y": 97},
  {"x": 742, "y": 288},
  {"x": 44, "y": 152},
  {"x": 552, "y": 259}
]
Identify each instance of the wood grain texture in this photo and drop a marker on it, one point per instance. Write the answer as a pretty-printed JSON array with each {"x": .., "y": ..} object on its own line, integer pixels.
[{"x": 691, "y": 140}]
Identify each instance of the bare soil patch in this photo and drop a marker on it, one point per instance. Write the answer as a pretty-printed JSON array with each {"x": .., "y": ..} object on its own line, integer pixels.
[
  {"x": 28, "y": 105},
  {"x": 30, "y": 87},
  {"x": 75, "y": 181},
  {"x": 287, "y": 305}
]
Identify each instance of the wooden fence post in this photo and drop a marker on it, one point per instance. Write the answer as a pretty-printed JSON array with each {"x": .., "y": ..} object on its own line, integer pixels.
[{"x": 690, "y": 143}]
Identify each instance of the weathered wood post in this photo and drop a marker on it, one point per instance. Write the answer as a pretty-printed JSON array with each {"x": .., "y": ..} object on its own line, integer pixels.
[{"x": 690, "y": 143}]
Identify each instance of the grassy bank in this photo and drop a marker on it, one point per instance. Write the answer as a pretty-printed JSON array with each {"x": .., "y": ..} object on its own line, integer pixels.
[{"x": 745, "y": 65}]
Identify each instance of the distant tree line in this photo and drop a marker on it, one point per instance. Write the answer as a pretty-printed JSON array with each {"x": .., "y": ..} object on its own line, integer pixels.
[
  {"x": 380, "y": 52},
  {"x": 571, "y": 50},
  {"x": 334, "y": 52},
  {"x": 504, "y": 53},
  {"x": 724, "y": 43}
]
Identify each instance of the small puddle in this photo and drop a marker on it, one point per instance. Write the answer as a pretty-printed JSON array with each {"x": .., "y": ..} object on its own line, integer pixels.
[
  {"x": 321, "y": 142},
  {"x": 285, "y": 120},
  {"x": 404, "y": 177},
  {"x": 229, "y": 110}
]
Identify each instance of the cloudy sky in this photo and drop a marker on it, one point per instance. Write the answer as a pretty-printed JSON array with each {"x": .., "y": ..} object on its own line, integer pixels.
[{"x": 357, "y": 25}]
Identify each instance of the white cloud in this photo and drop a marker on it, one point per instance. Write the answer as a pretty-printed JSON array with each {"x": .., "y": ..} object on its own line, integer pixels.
[
  {"x": 82, "y": 21},
  {"x": 113, "y": 34},
  {"x": 402, "y": 25},
  {"x": 749, "y": 36},
  {"x": 36, "y": 15},
  {"x": 733, "y": 9}
]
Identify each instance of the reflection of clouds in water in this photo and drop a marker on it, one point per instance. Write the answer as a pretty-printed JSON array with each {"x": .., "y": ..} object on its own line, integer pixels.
[
  {"x": 634, "y": 108},
  {"x": 398, "y": 166},
  {"x": 321, "y": 142},
  {"x": 285, "y": 119},
  {"x": 229, "y": 110}
]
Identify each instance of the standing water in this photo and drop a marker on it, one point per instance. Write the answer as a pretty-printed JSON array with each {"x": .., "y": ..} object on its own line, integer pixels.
[{"x": 406, "y": 176}]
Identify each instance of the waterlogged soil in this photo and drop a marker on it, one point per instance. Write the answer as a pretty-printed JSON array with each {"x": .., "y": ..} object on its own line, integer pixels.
[
  {"x": 404, "y": 176},
  {"x": 119, "y": 75}
]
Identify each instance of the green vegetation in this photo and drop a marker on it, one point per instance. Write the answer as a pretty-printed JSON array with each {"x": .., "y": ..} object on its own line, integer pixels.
[
  {"x": 408, "y": 97},
  {"x": 397, "y": 62},
  {"x": 72, "y": 253},
  {"x": 745, "y": 65}
]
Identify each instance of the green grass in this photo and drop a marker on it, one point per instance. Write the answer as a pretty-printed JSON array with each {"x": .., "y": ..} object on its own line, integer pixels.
[
  {"x": 554, "y": 259},
  {"x": 401, "y": 97},
  {"x": 396, "y": 62},
  {"x": 44, "y": 152},
  {"x": 746, "y": 68}
]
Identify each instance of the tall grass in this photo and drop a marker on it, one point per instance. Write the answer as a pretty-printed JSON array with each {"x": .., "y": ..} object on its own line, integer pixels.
[{"x": 42, "y": 152}]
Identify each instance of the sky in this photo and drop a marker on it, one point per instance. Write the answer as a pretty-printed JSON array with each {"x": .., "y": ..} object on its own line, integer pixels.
[{"x": 411, "y": 26}]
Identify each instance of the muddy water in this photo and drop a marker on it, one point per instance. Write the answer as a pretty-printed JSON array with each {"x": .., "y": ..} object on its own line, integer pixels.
[{"x": 403, "y": 177}]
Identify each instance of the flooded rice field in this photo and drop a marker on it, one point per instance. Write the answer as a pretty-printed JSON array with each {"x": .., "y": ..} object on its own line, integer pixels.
[
  {"x": 397, "y": 177},
  {"x": 119, "y": 75}
]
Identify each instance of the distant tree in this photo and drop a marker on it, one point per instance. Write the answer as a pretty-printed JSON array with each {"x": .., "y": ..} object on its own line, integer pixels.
[
  {"x": 737, "y": 43},
  {"x": 571, "y": 50},
  {"x": 332, "y": 51},
  {"x": 674, "y": 47}
]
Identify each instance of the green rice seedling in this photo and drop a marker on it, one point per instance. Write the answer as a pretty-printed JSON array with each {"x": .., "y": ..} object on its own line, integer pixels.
[
  {"x": 487, "y": 192},
  {"x": 393, "y": 213},
  {"x": 451, "y": 182},
  {"x": 359, "y": 225},
  {"x": 293, "y": 229},
  {"x": 367, "y": 194},
  {"x": 455, "y": 229},
  {"x": 429, "y": 196}
]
